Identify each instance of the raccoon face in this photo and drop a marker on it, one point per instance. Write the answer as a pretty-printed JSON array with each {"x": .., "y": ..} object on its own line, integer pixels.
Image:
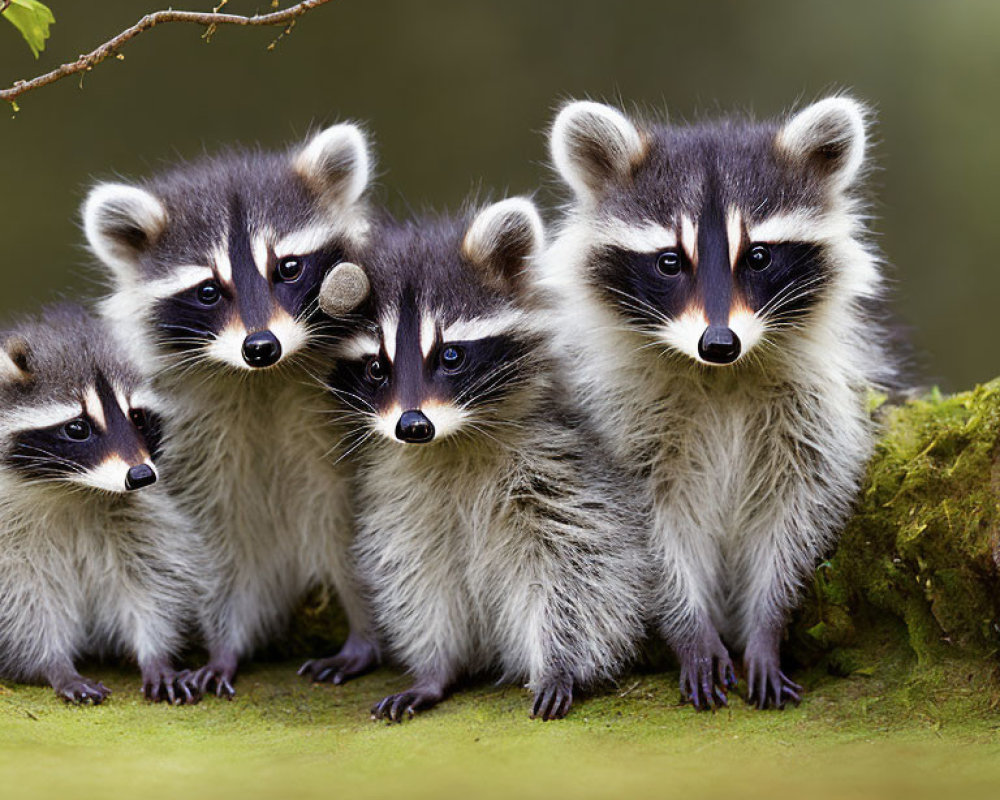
[
  {"x": 99, "y": 432},
  {"x": 449, "y": 347},
  {"x": 224, "y": 259},
  {"x": 713, "y": 239}
]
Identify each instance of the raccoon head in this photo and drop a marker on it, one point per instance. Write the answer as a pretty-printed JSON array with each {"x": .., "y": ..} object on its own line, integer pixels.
[
  {"x": 449, "y": 346},
  {"x": 222, "y": 259},
  {"x": 715, "y": 238},
  {"x": 75, "y": 413}
]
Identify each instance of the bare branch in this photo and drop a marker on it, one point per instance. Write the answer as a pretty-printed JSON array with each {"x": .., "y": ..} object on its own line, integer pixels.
[{"x": 211, "y": 20}]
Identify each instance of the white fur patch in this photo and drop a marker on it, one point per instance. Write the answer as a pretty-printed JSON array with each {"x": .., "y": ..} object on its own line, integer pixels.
[
  {"x": 28, "y": 419},
  {"x": 385, "y": 423},
  {"x": 261, "y": 255},
  {"x": 223, "y": 266},
  {"x": 446, "y": 418},
  {"x": 689, "y": 238},
  {"x": 108, "y": 476},
  {"x": 389, "y": 326},
  {"x": 648, "y": 237},
  {"x": 734, "y": 235},
  {"x": 305, "y": 241},
  {"x": 428, "y": 334},
  {"x": 227, "y": 346},
  {"x": 464, "y": 330},
  {"x": 359, "y": 347},
  {"x": 92, "y": 408},
  {"x": 9, "y": 371},
  {"x": 801, "y": 226},
  {"x": 183, "y": 279},
  {"x": 748, "y": 326},
  {"x": 291, "y": 334},
  {"x": 684, "y": 332}
]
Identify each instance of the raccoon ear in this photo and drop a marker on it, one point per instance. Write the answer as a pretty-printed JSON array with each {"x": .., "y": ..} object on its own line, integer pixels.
[
  {"x": 593, "y": 145},
  {"x": 336, "y": 163},
  {"x": 121, "y": 223},
  {"x": 15, "y": 366},
  {"x": 829, "y": 136},
  {"x": 503, "y": 237}
]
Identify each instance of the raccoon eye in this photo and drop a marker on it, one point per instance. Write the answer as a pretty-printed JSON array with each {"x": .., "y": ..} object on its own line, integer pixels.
[
  {"x": 78, "y": 430},
  {"x": 209, "y": 293},
  {"x": 138, "y": 417},
  {"x": 289, "y": 270},
  {"x": 759, "y": 257},
  {"x": 376, "y": 371},
  {"x": 669, "y": 263},
  {"x": 452, "y": 358}
]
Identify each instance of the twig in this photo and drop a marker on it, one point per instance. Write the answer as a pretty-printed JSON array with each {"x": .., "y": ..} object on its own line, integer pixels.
[{"x": 210, "y": 20}]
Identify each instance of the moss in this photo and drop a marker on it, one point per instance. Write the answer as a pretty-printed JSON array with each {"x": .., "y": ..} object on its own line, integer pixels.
[{"x": 921, "y": 548}]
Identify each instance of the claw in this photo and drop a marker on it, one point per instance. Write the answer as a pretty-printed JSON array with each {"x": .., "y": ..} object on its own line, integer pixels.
[{"x": 356, "y": 657}]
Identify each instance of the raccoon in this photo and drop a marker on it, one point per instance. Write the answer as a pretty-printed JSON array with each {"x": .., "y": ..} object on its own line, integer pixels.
[
  {"x": 94, "y": 559},
  {"x": 216, "y": 267},
  {"x": 491, "y": 534},
  {"x": 716, "y": 285}
]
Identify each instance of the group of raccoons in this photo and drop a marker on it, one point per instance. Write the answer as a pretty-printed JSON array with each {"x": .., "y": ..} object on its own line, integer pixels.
[{"x": 506, "y": 453}]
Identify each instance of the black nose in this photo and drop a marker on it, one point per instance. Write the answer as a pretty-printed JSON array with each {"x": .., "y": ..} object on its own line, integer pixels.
[
  {"x": 261, "y": 349},
  {"x": 139, "y": 476},
  {"x": 719, "y": 345},
  {"x": 414, "y": 427}
]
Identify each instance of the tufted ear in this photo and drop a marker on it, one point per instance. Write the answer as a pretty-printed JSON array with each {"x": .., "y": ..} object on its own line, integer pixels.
[
  {"x": 503, "y": 238},
  {"x": 15, "y": 355},
  {"x": 344, "y": 289},
  {"x": 593, "y": 145},
  {"x": 336, "y": 163},
  {"x": 122, "y": 222},
  {"x": 829, "y": 136}
]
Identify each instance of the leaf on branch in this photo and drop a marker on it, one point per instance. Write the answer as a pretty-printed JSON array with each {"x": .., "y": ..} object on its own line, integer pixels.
[{"x": 33, "y": 20}]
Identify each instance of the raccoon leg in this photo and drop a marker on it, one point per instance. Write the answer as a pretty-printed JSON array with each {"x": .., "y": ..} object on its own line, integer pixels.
[
  {"x": 707, "y": 673},
  {"x": 73, "y": 687},
  {"x": 769, "y": 686},
  {"x": 218, "y": 675},
  {"x": 358, "y": 656},
  {"x": 553, "y": 698},
  {"x": 426, "y": 692}
]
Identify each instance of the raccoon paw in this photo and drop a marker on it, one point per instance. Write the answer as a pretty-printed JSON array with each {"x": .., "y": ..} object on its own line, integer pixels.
[
  {"x": 161, "y": 684},
  {"x": 356, "y": 657},
  {"x": 553, "y": 700},
  {"x": 769, "y": 687},
  {"x": 218, "y": 673},
  {"x": 397, "y": 707},
  {"x": 706, "y": 678},
  {"x": 82, "y": 691}
]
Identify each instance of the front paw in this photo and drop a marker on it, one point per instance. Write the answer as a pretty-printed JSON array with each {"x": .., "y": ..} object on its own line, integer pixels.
[
  {"x": 769, "y": 687},
  {"x": 553, "y": 700},
  {"x": 397, "y": 707},
  {"x": 217, "y": 676},
  {"x": 356, "y": 657},
  {"x": 707, "y": 675},
  {"x": 80, "y": 690},
  {"x": 162, "y": 684}
]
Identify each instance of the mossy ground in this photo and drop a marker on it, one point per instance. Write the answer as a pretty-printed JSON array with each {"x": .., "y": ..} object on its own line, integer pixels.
[{"x": 857, "y": 737}]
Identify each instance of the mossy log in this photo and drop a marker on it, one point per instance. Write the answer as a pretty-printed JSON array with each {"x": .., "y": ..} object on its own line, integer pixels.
[{"x": 917, "y": 568}]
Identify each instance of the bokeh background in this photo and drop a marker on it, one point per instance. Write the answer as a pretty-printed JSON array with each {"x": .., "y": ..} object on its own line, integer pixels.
[{"x": 459, "y": 94}]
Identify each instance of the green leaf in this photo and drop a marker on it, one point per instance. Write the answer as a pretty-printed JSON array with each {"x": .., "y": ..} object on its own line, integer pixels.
[{"x": 32, "y": 19}]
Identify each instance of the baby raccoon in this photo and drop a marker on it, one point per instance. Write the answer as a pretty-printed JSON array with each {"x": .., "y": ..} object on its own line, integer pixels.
[
  {"x": 94, "y": 559},
  {"x": 714, "y": 280},
  {"x": 217, "y": 266},
  {"x": 491, "y": 534}
]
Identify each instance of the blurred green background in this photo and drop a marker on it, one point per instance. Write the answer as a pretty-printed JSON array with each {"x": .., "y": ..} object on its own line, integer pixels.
[{"x": 459, "y": 94}]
